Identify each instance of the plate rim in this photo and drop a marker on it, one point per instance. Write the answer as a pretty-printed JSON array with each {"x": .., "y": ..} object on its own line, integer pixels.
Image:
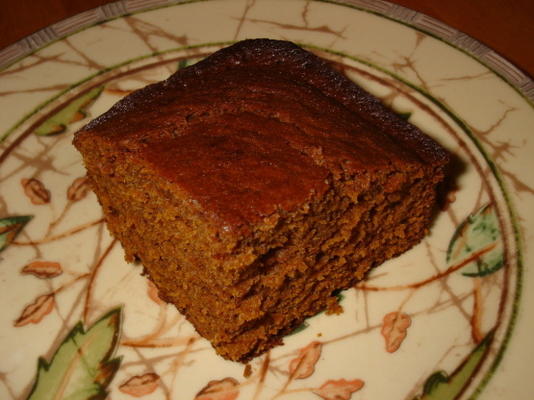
[
  {"x": 510, "y": 73},
  {"x": 403, "y": 14}
]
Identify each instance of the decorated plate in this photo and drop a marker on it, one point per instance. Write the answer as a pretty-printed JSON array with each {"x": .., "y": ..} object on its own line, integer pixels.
[{"x": 448, "y": 319}]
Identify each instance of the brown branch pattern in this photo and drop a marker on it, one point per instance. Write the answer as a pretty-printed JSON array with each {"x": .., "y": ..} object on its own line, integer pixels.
[{"x": 144, "y": 351}]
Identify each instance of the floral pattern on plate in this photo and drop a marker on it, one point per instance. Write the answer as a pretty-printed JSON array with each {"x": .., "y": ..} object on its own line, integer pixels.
[{"x": 434, "y": 323}]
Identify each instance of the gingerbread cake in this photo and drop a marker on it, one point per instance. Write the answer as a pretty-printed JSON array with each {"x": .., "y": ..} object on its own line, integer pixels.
[{"x": 256, "y": 183}]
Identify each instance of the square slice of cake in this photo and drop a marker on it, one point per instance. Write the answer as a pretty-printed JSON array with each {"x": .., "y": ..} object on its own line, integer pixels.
[{"x": 257, "y": 182}]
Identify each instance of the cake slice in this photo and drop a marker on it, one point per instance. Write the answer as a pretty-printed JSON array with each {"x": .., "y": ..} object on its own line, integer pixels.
[{"x": 257, "y": 182}]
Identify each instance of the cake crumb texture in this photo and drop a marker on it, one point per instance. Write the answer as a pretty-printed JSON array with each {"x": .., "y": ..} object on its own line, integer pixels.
[{"x": 256, "y": 184}]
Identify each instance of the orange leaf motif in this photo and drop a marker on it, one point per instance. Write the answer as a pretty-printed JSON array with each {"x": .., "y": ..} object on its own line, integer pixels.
[
  {"x": 43, "y": 269},
  {"x": 36, "y": 311},
  {"x": 140, "y": 385},
  {"x": 153, "y": 293},
  {"x": 36, "y": 191},
  {"x": 394, "y": 327},
  {"x": 78, "y": 189},
  {"x": 303, "y": 365},
  {"x": 339, "y": 390},
  {"x": 225, "y": 389}
]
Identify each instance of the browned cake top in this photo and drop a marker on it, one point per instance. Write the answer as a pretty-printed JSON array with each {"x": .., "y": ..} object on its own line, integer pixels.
[
  {"x": 261, "y": 126},
  {"x": 235, "y": 172}
]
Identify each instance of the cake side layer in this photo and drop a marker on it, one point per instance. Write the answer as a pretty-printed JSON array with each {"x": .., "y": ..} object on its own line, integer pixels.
[
  {"x": 250, "y": 191},
  {"x": 287, "y": 272}
]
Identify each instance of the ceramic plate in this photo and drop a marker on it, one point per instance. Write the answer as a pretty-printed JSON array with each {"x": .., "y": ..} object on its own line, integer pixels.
[{"x": 446, "y": 320}]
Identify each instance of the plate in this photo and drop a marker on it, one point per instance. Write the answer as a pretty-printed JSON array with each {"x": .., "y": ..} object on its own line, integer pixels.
[{"x": 446, "y": 320}]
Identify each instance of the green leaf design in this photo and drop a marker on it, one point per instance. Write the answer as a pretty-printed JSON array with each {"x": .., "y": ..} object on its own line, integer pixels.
[
  {"x": 440, "y": 386},
  {"x": 299, "y": 328},
  {"x": 434, "y": 380},
  {"x": 10, "y": 228},
  {"x": 340, "y": 295},
  {"x": 81, "y": 367},
  {"x": 478, "y": 233},
  {"x": 186, "y": 62},
  {"x": 183, "y": 63},
  {"x": 405, "y": 115},
  {"x": 73, "y": 111}
]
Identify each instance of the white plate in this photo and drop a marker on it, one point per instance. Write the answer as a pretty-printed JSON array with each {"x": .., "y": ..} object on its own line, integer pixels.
[{"x": 461, "y": 295}]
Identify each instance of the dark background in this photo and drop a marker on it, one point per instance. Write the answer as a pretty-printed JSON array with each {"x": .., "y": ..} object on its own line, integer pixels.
[{"x": 507, "y": 26}]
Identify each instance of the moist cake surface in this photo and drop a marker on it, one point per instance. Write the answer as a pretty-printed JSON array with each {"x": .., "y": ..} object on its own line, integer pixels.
[{"x": 255, "y": 183}]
